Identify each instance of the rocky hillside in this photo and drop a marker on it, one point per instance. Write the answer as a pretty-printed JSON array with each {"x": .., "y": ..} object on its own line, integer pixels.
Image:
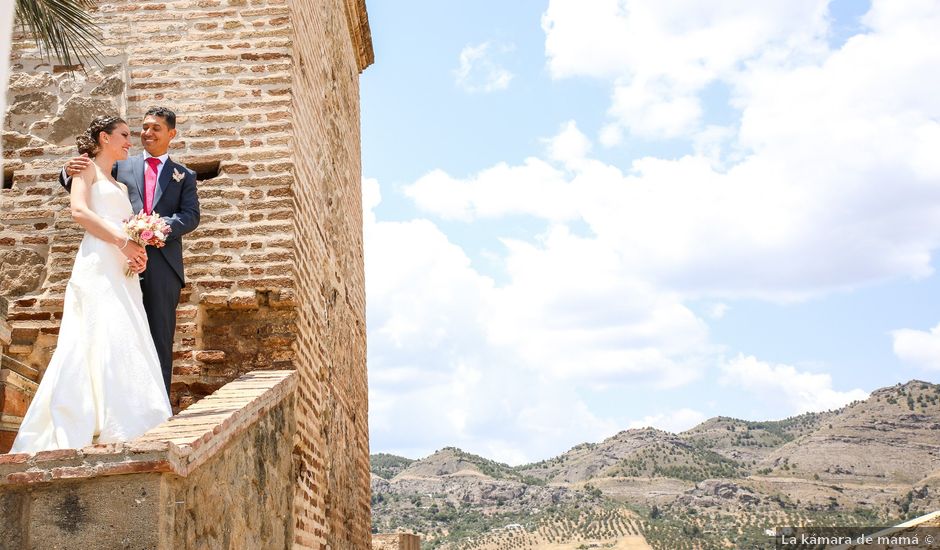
[
  {"x": 874, "y": 461},
  {"x": 746, "y": 441},
  {"x": 894, "y": 435},
  {"x": 387, "y": 466},
  {"x": 453, "y": 478},
  {"x": 635, "y": 453}
]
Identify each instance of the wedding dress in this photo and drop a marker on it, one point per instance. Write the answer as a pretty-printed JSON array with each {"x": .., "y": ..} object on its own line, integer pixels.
[{"x": 103, "y": 383}]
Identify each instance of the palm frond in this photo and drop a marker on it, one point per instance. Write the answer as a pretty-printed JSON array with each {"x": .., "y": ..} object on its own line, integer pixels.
[{"x": 64, "y": 28}]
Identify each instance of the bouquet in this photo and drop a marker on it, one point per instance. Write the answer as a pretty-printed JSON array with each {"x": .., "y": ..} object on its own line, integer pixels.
[{"x": 146, "y": 230}]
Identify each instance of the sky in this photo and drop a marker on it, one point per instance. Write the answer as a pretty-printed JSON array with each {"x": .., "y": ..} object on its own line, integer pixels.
[{"x": 582, "y": 216}]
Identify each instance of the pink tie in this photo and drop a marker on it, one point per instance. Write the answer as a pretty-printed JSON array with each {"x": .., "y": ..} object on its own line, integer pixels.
[{"x": 150, "y": 183}]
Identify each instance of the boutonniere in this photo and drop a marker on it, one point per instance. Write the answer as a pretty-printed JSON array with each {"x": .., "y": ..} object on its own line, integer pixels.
[{"x": 178, "y": 176}]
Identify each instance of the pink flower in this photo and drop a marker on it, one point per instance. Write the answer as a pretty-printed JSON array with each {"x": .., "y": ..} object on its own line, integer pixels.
[{"x": 146, "y": 235}]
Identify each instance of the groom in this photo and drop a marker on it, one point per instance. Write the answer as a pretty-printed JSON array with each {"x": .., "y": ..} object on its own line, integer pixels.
[{"x": 157, "y": 184}]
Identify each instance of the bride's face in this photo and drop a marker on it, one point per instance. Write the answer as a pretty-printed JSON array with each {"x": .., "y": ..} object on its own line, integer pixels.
[{"x": 118, "y": 141}]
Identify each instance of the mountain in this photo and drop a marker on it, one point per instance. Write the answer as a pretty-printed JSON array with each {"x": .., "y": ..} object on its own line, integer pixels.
[
  {"x": 720, "y": 483},
  {"x": 635, "y": 453},
  {"x": 893, "y": 435},
  {"x": 451, "y": 461},
  {"x": 746, "y": 441},
  {"x": 387, "y": 466}
]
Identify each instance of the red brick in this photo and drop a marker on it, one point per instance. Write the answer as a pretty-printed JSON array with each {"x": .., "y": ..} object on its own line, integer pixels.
[
  {"x": 58, "y": 454},
  {"x": 19, "y": 458},
  {"x": 24, "y": 478}
]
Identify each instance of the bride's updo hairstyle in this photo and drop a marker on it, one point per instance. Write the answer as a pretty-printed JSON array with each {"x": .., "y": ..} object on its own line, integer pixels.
[{"x": 88, "y": 143}]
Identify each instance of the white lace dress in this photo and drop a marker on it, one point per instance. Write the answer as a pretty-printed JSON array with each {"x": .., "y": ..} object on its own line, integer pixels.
[{"x": 103, "y": 382}]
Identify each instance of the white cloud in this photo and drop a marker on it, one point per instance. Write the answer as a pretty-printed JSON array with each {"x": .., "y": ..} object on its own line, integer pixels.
[
  {"x": 800, "y": 391},
  {"x": 687, "y": 40},
  {"x": 611, "y": 135},
  {"x": 661, "y": 55},
  {"x": 535, "y": 187},
  {"x": 496, "y": 368},
  {"x": 479, "y": 69},
  {"x": 569, "y": 147},
  {"x": 829, "y": 181},
  {"x": 717, "y": 311},
  {"x": 427, "y": 294},
  {"x": 674, "y": 421},
  {"x": 572, "y": 310},
  {"x": 651, "y": 111},
  {"x": 918, "y": 347}
]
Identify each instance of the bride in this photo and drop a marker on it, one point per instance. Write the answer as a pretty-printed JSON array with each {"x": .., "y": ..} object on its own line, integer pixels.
[{"x": 103, "y": 383}]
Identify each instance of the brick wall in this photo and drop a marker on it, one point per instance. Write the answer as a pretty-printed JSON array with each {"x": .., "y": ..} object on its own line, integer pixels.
[
  {"x": 330, "y": 280},
  {"x": 268, "y": 102}
]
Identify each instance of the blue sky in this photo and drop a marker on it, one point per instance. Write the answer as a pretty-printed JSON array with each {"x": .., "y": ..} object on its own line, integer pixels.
[{"x": 582, "y": 217}]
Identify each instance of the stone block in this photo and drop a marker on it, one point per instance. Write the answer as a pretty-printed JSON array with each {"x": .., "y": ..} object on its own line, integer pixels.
[
  {"x": 210, "y": 356},
  {"x": 111, "y": 87},
  {"x": 115, "y": 512},
  {"x": 20, "y": 81},
  {"x": 76, "y": 115},
  {"x": 14, "y": 400},
  {"x": 7, "y": 436},
  {"x": 15, "y": 140},
  {"x": 34, "y": 103},
  {"x": 21, "y": 271},
  {"x": 12, "y": 529}
]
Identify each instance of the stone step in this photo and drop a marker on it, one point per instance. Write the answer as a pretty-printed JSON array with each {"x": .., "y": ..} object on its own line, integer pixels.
[
  {"x": 16, "y": 392},
  {"x": 15, "y": 380},
  {"x": 22, "y": 350},
  {"x": 24, "y": 370},
  {"x": 6, "y": 333}
]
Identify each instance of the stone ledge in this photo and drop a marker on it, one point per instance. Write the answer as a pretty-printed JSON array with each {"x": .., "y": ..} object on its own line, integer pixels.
[
  {"x": 178, "y": 446},
  {"x": 16, "y": 380},
  {"x": 24, "y": 370},
  {"x": 357, "y": 20}
]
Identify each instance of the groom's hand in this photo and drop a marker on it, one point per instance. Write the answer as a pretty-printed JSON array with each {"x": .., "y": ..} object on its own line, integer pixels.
[
  {"x": 138, "y": 266},
  {"x": 136, "y": 256},
  {"x": 76, "y": 164}
]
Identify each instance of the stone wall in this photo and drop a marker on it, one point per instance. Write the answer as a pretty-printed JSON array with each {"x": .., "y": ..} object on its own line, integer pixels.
[
  {"x": 268, "y": 102},
  {"x": 396, "y": 541},
  {"x": 219, "y": 475}
]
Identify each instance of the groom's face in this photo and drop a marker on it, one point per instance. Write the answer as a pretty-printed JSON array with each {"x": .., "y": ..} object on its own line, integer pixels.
[{"x": 156, "y": 135}]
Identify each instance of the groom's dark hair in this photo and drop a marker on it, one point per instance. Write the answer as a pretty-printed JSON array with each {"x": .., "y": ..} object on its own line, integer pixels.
[{"x": 167, "y": 115}]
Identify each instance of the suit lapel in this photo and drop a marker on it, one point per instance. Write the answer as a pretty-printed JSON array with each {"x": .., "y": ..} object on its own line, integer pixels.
[
  {"x": 163, "y": 181},
  {"x": 137, "y": 173}
]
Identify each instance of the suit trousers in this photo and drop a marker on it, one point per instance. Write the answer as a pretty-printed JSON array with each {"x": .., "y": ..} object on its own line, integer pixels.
[{"x": 161, "y": 287}]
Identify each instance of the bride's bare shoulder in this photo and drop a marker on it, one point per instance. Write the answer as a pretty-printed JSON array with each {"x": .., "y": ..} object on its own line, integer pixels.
[{"x": 89, "y": 175}]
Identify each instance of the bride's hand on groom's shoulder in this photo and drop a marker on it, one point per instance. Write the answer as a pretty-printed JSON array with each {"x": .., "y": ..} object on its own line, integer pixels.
[{"x": 75, "y": 165}]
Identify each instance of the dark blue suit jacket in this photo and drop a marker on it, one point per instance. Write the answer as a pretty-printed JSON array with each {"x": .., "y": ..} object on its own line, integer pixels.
[{"x": 175, "y": 199}]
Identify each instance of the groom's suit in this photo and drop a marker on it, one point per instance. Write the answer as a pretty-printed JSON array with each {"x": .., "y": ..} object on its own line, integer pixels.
[{"x": 176, "y": 201}]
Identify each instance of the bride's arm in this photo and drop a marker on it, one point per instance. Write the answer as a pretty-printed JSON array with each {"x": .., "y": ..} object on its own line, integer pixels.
[{"x": 80, "y": 196}]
